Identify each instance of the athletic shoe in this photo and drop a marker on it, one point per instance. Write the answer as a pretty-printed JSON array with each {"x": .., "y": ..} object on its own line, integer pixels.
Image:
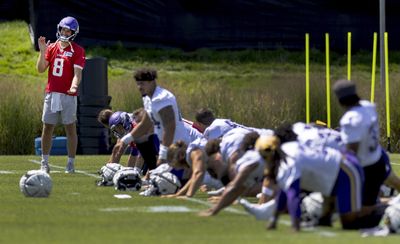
[
  {"x": 45, "y": 166},
  {"x": 70, "y": 169},
  {"x": 261, "y": 211},
  {"x": 395, "y": 200}
]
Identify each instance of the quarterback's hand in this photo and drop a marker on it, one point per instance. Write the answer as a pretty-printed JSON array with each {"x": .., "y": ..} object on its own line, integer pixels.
[
  {"x": 42, "y": 43},
  {"x": 72, "y": 90}
]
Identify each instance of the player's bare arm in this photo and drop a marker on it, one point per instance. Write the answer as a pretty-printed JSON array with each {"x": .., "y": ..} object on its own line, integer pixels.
[
  {"x": 167, "y": 116},
  {"x": 42, "y": 63},
  {"x": 168, "y": 120},
  {"x": 199, "y": 169},
  {"x": 117, "y": 152},
  {"x": 234, "y": 189},
  {"x": 76, "y": 80}
]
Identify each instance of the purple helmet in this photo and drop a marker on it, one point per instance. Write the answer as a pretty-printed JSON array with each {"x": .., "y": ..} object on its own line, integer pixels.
[
  {"x": 69, "y": 23},
  {"x": 120, "y": 118}
]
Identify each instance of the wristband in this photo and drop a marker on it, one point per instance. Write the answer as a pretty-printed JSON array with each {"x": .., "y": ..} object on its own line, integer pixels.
[
  {"x": 267, "y": 191},
  {"x": 126, "y": 139},
  {"x": 162, "y": 153}
]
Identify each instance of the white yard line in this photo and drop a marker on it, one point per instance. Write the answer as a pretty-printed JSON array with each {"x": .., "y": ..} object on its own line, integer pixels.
[
  {"x": 228, "y": 209},
  {"x": 59, "y": 167}
]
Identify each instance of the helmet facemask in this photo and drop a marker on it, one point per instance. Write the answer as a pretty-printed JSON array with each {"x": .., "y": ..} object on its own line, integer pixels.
[
  {"x": 69, "y": 23},
  {"x": 120, "y": 119}
]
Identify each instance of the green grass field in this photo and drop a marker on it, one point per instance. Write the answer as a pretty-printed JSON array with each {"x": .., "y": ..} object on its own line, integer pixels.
[{"x": 78, "y": 211}]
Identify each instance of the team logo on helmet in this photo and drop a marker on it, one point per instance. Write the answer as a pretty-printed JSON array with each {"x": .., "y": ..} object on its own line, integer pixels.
[
  {"x": 120, "y": 118},
  {"x": 70, "y": 23}
]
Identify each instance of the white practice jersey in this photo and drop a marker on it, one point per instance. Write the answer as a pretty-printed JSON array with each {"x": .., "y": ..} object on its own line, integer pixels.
[
  {"x": 249, "y": 158},
  {"x": 192, "y": 132},
  {"x": 161, "y": 99},
  {"x": 219, "y": 127},
  {"x": 231, "y": 142},
  {"x": 317, "y": 168},
  {"x": 314, "y": 136},
  {"x": 199, "y": 143},
  {"x": 360, "y": 125}
]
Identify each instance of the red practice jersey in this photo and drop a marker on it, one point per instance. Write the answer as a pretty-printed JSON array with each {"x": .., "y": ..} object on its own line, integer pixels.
[{"x": 61, "y": 66}]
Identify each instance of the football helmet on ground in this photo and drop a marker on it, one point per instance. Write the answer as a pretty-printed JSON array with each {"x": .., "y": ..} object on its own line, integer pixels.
[
  {"x": 391, "y": 218},
  {"x": 36, "y": 183},
  {"x": 311, "y": 209},
  {"x": 162, "y": 184},
  {"x": 127, "y": 179},
  {"x": 107, "y": 173}
]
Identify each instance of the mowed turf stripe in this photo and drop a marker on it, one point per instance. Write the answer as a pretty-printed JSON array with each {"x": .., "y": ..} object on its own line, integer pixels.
[
  {"x": 228, "y": 209},
  {"x": 59, "y": 167}
]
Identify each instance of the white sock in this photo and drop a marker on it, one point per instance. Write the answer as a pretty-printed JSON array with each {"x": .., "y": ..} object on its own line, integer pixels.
[
  {"x": 45, "y": 158},
  {"x": 260, "y": 211},
  {"x": 71, "y": 160}
]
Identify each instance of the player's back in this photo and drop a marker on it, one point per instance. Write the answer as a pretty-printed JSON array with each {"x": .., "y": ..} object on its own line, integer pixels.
[
  {"x": 314, "y": 136},
  {"x": 199, "y": 143},
  {"x": 219, "y": 127},
  {"x": 231, "y": 142},
  {"x": 360, "y": 125},
  {"x": 251, "y": 157},
  {"x": 317, "y": 168}
]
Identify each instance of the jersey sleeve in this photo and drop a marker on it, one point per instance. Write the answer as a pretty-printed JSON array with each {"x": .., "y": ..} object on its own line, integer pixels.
[
  {"x": 79, "y": 61},
  {"x": 48, "y": 54},
  {"x": 158, "y": 105}
]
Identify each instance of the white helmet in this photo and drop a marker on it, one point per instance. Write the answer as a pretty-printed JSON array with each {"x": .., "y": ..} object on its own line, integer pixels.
[
  {"x": 162, "y": 184},
  {"x": 127, "y": 178},
  {"x": 392, "y": 218},
  {"x": 107, "y": 173},
  {"x": 311, "y": 209},
  {"x": 36, "y": 183}
]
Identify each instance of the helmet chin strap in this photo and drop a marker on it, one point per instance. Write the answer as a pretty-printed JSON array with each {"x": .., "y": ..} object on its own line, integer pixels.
[{"x": 66, "y": 40}]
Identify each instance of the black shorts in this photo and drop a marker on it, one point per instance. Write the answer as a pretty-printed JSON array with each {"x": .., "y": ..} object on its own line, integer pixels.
[{"x": 375, "y": 175}]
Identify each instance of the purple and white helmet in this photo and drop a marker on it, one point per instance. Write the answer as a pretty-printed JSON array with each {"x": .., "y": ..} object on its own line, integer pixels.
[
  {"x": 120, "y": 118},
  {"x": 69, "y": 23}
]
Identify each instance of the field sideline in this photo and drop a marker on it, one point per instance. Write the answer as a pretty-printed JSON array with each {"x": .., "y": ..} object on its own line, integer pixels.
[{"x": 80, "y": 212}]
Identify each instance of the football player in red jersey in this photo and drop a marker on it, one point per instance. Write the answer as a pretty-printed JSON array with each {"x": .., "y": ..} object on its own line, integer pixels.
[{"x": 65, "y": 61}]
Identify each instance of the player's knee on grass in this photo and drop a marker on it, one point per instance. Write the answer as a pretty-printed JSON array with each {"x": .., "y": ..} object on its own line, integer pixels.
[{"x": 352, "y": 222}]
